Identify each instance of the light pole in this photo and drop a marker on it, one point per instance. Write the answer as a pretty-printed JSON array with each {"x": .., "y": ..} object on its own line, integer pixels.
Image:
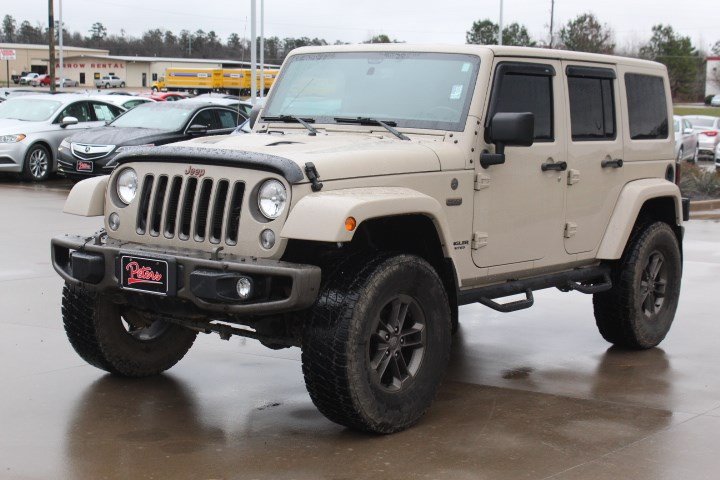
[
  {"x": 253, "y": 53},
  {"x": 500, "y": 24},
  {"x": 60, "y": 45},
  {"x": 262, "y": 48},
  {"x": 51, "y": 44}
]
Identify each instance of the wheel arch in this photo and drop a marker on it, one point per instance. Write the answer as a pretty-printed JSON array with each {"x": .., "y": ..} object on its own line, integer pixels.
[{"x": 640, "y": 202}]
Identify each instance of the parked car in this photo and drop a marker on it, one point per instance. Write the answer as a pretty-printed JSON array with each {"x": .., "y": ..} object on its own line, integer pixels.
[
  {"x": 225, "y": 100},
  {"x": 32, "y": 127},
  {"x": 27, "y": 79},
  {"x": 168, "y": 96},
  {"x": 40, "y": 81},
  {"x": 16, "y": 78},
  {"x": 91, "y": 152},
  {"x": 109, "y": 81},
  {"x": 715, "y": 102},
  {"x": 707, "y": 128},
  {"x": 128, "y": 102},
  {"x": 686, "y": 141},
  {"x": 717, "y": 158},
  {"x": 66, "y": 82},
  {"x": 359, "y": 215}
]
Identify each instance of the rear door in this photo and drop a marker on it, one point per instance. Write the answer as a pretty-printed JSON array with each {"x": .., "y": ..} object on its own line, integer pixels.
[
  {"x": 595, "y": 152},
  {"x": 519, "y": 206}
]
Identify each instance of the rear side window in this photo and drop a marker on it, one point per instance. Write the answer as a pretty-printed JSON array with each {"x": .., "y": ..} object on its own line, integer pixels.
[
  {"x": 520, "y": 92},
  {"x": 592, "y": 108},
  {"x": 647, "y": 106},
  {"x": 228, "y": 119}
]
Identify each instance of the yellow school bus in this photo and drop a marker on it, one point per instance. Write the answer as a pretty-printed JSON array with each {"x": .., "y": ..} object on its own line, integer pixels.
[{"x": 200, "y": 79}]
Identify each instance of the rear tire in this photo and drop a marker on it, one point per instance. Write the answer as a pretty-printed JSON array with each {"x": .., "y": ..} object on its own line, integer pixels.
[
  {"x": 97, "y": 332},
  {"x": 638, "y": 311},
  {"x": 377, "y": 343}
]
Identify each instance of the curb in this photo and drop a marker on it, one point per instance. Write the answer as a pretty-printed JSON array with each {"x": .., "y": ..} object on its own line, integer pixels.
[{"x": 704, "y": 205}]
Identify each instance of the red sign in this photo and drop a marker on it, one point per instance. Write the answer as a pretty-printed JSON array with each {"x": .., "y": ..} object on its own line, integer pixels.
[
  {"x": 7, "y": 54},
  {"x": 138, "y": 274},
  {"x": 92, "y": 65}
]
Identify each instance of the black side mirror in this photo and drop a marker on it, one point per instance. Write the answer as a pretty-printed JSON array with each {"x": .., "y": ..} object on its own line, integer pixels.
[
  {"x": 254, "y": 114},
  {"x": 508, "y": 130},
  {"x": 197, "y": 129}
]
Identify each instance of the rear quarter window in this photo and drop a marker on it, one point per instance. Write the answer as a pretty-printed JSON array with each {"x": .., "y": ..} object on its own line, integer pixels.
[{"x": 647, "y": 106}]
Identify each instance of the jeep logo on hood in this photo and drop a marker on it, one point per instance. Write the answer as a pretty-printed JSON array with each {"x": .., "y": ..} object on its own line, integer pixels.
[{"x": 194, "y": 172}]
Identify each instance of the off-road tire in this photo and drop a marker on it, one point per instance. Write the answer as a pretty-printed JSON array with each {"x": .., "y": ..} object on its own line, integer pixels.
[
  {"x": 95, "y": 330},
  {"x": 619, "y": 312},
  {"x": 336, "y": 342}
]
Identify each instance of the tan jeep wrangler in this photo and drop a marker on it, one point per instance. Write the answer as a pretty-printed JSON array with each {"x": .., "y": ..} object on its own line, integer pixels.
[{"x": 381, "y": 187}]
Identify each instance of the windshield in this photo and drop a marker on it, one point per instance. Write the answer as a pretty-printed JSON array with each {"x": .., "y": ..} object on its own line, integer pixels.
[
  {"x": 30, "y": 110},
  {"x": 154, "y": 115},
  {"x": 702, "y": 122},
  {"x": 414, "y": 90}
]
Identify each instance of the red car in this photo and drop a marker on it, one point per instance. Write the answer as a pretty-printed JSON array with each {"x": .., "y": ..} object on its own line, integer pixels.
[
  {"x": 168, "y": 96},
  {"x": 41, "y": 81}
]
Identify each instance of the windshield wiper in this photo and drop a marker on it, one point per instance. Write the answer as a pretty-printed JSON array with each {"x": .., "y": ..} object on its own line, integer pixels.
[
  {"x": 293, "y": 119},
  {"x": 374, "y": 121}
]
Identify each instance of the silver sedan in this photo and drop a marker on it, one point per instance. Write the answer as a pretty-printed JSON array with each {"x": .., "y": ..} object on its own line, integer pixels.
[
  {"x": 707, "y": 129},
  {"x": 32, "y": 127}
]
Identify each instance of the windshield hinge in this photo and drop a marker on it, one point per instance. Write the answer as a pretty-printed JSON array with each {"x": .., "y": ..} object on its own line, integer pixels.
[{"x": 313, "y": 176}]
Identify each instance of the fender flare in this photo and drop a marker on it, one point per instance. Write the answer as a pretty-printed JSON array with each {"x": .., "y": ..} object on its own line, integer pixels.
[
  {"x": 87, "y": 197},
  {"x": 632, "y": 198},
  {"x": 321, "y": 216}
]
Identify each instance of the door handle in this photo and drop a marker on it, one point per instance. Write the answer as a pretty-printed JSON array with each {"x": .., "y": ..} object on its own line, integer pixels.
[
  {"x": 557, "y": 166},
  {"x": 616, "y": 163}
]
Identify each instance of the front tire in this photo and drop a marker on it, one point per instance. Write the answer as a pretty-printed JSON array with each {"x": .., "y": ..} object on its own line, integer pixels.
[
  {"x": 119, "y": 341},
  {"x": 638, "y": 311},
  {"x": 377, "y": 343},
  {"x": 36, "y": 167}
]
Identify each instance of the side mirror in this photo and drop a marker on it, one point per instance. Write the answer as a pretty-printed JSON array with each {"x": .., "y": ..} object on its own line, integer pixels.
[
  {"x": 688, "y": 131},
  {"x": 508, "y": 130},
  {"x": 254, "y": 114},
  {"x": 68, "y": 121},
  {"x": 197, "y": 129}
]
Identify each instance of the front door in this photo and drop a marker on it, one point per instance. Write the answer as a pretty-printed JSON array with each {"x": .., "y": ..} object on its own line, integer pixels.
[
  {"x": 519, "y": 206},
  {"x": 144, "y": 79},
  {"x": 595, "y": 151},
  {"x": 82, "y": 78}
]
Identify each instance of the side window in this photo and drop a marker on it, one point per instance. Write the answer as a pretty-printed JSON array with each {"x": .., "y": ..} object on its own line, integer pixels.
[
  {"x": 526, "y": 88},
  {"x": 206, "y": 117},
  {"x": 592, "y": 105},
  {"x": 229, "y": 119},
  {"x": 78, "y": 110},
  {"x": 647, "y": 106},
  {"x": 686, "y": 125},
  {"x": 104, "y": 112}
]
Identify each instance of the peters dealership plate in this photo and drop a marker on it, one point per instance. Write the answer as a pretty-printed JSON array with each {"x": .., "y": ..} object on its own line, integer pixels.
[{"x": 144, "y": 274}]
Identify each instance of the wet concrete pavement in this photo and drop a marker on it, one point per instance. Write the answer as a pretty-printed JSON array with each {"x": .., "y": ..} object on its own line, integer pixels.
[{"x": 535, "y": 394}]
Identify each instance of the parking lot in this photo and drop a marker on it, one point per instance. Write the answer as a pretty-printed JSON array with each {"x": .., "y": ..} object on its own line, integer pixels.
[{"x": 534, "y": 394}]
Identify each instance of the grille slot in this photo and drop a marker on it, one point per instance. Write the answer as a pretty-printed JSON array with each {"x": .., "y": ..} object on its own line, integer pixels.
[
  {"x": 157, "y": 206},
  {"x": 218, "y": 211},
  {"x": 144, "y": 204},
  {"x": 187, "y": 208},
  {"x": 171, "y": 211},
  {"x": 205, "y": 210},
  {"x": 234, "y": 209},
  {"x": 201, "y": 212}
]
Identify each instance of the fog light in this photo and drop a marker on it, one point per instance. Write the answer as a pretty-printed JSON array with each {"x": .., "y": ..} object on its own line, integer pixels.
[
  {"x": 267, "y": 239},
  {"x": 114, "y": 221},
  {"x": 244, "y": 288}
]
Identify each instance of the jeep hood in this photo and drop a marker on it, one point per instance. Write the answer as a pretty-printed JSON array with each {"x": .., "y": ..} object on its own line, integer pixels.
[{"x": 334, "y": 155}]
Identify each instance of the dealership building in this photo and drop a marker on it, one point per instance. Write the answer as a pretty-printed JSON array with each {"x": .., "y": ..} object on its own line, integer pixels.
[{"x": 85, "y": 64}]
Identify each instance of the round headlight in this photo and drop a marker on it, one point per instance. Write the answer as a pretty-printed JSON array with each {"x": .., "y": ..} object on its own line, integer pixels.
[
  {"x": 127, "y": 185},
  {"x": 272, "y": 198}
]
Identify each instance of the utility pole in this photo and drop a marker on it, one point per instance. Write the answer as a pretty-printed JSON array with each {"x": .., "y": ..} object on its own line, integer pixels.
[
  {"x": 253, "y": 52},
  {"x": 500, "y": 24},
  {"x": 262, "y": 48},
  {"x": 51, "y": 34},
  {"x": 60, "y": 38},
  {"x": 552, "y": 18}
]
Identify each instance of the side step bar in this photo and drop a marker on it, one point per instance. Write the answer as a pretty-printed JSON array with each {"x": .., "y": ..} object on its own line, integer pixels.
[{"x": 584, "y": 280}]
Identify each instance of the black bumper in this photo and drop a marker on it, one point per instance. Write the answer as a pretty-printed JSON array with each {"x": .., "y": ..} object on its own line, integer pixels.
[
  {"x": 67, "y": 165},
  {"x": 686, "y": 209},
  {"x": 94, "y": 264}
]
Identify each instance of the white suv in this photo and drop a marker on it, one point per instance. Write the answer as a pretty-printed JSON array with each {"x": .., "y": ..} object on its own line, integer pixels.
[{"x": 109, "y": 81}]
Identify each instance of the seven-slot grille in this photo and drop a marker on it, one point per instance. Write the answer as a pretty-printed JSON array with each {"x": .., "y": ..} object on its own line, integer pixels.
[{"x": 190, "y": 208}]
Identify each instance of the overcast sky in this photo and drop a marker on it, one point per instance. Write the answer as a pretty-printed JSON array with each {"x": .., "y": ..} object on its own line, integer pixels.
[{"x": 416, "y": 21}]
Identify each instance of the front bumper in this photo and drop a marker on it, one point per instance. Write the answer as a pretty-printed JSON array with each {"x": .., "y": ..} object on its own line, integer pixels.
[
  {"x": 93, "y": 263},
  {"x": 68, "y": 164},
  {"x": 12, "y": 156}
]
